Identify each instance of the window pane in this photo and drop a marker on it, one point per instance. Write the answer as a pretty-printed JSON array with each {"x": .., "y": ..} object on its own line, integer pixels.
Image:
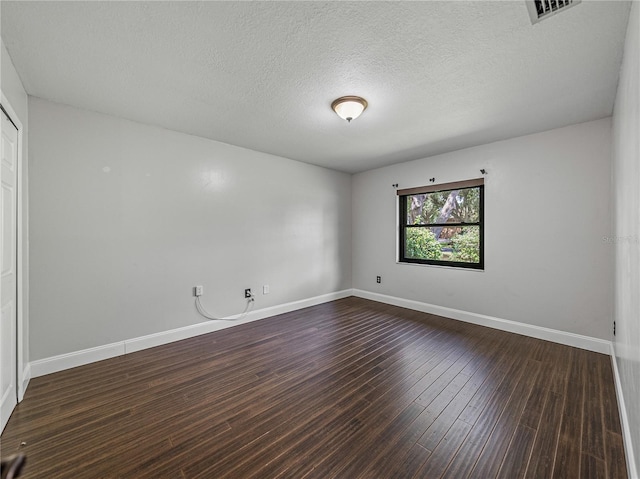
[
  {"x": 415, "y": 204},
  {"x": 465, "y": 244},
  {"x": 467, "y": 206},
  {"x": 455, "y": 206},
  {"x": 421, "y": 243},
  {"x": 456, "y": 243}
]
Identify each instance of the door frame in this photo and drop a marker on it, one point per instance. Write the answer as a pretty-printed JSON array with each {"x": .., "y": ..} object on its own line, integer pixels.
[{"x": 22, "y": 376}]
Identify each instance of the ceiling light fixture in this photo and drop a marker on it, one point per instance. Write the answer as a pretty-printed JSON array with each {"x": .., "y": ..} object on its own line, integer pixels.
[{"x": 349, "y": 107}]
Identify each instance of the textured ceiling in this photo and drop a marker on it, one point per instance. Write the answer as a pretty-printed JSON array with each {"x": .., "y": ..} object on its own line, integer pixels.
[{"x": 439, "y": 76}]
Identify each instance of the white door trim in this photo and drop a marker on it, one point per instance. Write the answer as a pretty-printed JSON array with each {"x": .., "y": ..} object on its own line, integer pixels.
[{"x": 19, "y": 252}]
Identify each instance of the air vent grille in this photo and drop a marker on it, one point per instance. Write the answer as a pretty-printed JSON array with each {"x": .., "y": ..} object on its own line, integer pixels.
[{"x": 542, "y": 9}]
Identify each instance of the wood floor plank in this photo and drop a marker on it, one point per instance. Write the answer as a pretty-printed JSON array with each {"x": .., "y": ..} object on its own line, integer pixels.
[
  {"x": 471, "y": 450},
  {"x": 535, "y": 404},
  {"x": 446, "y": 408},
  {"x": 516, "y": 459},
  {"x": 356, "y": 466},
  {"x": 568, "y": 452},
  {"x": 412, "y": 462},
  {"x": 346, "y": 389},
  {"x": 544, "y": 450},
  {"x": 567, "y": 463},
  {"x": 498, "y": 442},
  {"x": 439, "y": 459},
  {"x": 433, "y": 423},
  {"x": 616, "y": 465},
  {"x": 322, "y": 441},
  {"x": 593, "y": 426},
  {"x": 592, "y": 467}
]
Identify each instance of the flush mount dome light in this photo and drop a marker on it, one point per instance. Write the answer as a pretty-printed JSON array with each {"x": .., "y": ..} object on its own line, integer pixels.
[{"x": 349, "y": 107}]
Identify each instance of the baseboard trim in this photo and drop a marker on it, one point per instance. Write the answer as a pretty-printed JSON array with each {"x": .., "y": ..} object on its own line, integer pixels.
[
  {"x": 42, "y": 367},
  {"x": 624, "y": 419},
  {"x": 26, "y": 377},
  {"x": 61, "y": 362},
  {"x": 164, "y": 337},
  {"x": 539, "y": 332},
  {"x": 54, "y": 364}
]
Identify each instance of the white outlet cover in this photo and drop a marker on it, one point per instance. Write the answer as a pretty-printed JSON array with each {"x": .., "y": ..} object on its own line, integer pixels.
[{"x": 265, "y": 289}]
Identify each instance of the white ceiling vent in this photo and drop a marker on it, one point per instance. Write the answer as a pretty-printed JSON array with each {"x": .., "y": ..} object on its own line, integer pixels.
[{"x": 541, "y": 9}]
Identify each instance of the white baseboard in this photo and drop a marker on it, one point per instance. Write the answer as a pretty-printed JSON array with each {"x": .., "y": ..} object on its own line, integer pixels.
[
  {"x": 86, "y": 356},
  {"x": 624, "y": 419},
  {"x": 61, "y": 362},
  {"x": 164, "y": 337},
  {"x": 562, "y": 337},
  {"x": 78, "y": 358},
  {"x": 26, "y": 377}
]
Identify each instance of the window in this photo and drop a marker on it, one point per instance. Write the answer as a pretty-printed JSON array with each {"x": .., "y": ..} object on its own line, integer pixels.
[{"x": 443, "y": 224}]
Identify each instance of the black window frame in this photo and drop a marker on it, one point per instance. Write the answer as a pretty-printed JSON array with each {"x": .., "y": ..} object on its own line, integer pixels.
[{"x": 402, "y": 201}]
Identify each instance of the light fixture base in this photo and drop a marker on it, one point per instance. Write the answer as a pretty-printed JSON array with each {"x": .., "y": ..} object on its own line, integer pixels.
[{"x": 349, "y": 107}]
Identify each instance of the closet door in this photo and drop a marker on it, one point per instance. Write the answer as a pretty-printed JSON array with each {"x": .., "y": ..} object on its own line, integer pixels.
[{"x": 8, "y": 268}]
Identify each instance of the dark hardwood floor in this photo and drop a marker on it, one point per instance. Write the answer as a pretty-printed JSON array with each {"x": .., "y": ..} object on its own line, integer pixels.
[{"x": 348, "y": 389}]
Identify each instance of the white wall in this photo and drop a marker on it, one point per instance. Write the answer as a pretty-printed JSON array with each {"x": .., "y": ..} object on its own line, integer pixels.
[
  {"x": 547, "y": 210},
  {"x": 126, "y": 218},
  {"x": 626, "y": 179},
  {"x": 12, "y": 89}
]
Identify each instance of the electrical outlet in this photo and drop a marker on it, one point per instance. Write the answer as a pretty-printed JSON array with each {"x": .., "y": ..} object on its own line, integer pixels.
[
  {"x": 247, "y": 293},
  {"x": 378, "y": 279},
  {"x": 265, "y": 289},
  {"x": 614, "y": 328},
  {"x": 198, "y": 290}
]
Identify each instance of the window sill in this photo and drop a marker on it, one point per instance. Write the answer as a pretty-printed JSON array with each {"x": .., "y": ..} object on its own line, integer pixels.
[{"x": 457, "y": 268}]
